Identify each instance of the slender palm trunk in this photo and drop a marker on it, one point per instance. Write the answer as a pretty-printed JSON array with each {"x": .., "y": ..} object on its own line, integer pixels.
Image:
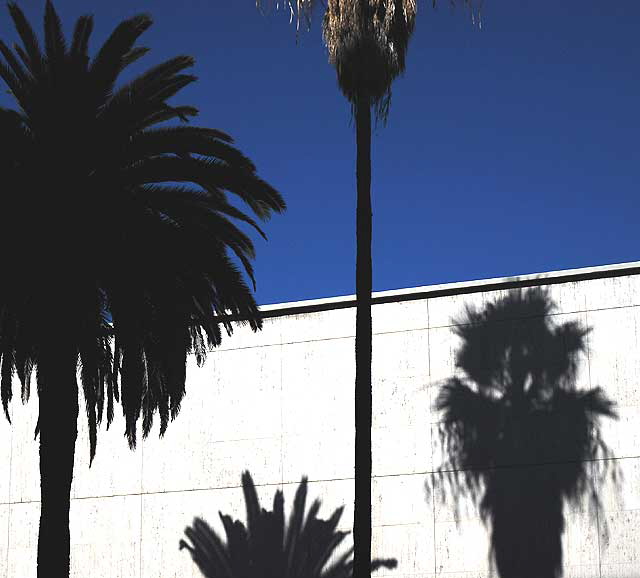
[
  {"x": 58, "y": 399},
  {"x": 363, "y": 397}
]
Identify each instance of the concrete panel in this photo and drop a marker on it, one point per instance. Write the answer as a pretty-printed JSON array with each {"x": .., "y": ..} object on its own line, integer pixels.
[
  {"x": 405, "y": 450},
  {"x": 462, "y": 547},
  {"x": 443, "y": 344},
  {"x": 216, "y": 435},
  {"x": 621, "y": 492},
  {"x": 410, "y": 544},
  {"x": 472, "y": 574},
  {"x": 623, "y": 291},
  {"x": 403, "y": 354},
  {"x": 400, "y": 316},
  {"x": 221, "y": 388},
  {"x": 323, "y": 455},
  {"x": 582, "y": 571},
  {"x": 318, "y": 381},
  {"x": 4, "y": 539},
  {"x": 619, "y": 571},
  {"x": 622, "y": 435},
  {"x": 332, "y": 324},
  {"x": 580, "y": 541},
  {"x": 620, "y": 499},
  {"x": 23, "y": 539},
  {"x": 613, "y": 342},
  {"x": 621, "y": 543},
  {"x": 25, "y": 464},
  {"x": 91, "y": 521},
  {"x": 209, "y": 465},
  {"x": 400, "y": 401},
  {"x": 399, "y": 500}
]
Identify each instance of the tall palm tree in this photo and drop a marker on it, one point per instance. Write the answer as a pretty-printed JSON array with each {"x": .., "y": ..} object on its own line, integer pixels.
[
  {"x": 118, "y": 240},
  {"x": 267, "y": 548},
  {"x": 518, "y": 435},
  {"x": 367, "y": 41}
]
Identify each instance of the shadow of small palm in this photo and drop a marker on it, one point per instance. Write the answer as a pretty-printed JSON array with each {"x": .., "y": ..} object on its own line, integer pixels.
[
  {"x": 519, "y": 436},
  {"x": 266, "y": 548}
]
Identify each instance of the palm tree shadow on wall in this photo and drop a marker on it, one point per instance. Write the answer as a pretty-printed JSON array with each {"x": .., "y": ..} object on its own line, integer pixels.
[
  {"x": 266, "y": 547},
  {"x": 518, "y": 436}
]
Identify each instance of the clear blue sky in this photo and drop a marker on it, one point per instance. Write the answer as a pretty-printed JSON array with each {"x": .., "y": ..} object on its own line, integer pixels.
[{"x": 510, "y": 149}]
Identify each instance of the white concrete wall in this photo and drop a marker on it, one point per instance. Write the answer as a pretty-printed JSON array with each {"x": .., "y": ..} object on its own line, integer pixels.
[{"x": 280, "y": 403}]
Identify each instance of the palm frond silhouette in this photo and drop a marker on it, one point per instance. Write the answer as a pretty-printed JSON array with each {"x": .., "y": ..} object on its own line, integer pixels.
[
  {"x": 267, "y": 548},
  {"x": 518, "y": 435},
  {"x": 119, "y": 238}
]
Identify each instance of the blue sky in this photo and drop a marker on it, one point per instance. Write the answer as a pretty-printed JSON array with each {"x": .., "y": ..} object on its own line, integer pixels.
[{"x": 510, "y": 149}]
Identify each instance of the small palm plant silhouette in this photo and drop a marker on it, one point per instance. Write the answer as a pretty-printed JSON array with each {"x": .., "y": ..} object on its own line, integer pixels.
[
  {"x": 520, "y": 438},
  {"x": 265, "y": 548}
]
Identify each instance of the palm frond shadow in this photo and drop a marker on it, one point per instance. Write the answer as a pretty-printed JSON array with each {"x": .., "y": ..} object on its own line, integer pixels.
[
  {"x": 518, "y": 436},
  {"x": 266, "y": 548}
]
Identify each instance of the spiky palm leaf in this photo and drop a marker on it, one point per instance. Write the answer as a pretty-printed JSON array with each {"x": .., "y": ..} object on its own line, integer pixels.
[
  {"x": 117, "y": 227},
  {"x": 267, "y": 548}
]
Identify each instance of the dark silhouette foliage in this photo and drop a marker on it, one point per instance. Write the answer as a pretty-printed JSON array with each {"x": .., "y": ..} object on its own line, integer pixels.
[
  {"x": 519, "y": 437},
  {"x": 267, "y": 548},
  {"x": 120, "y": 241},
  {"x": 100, "y": 214}
]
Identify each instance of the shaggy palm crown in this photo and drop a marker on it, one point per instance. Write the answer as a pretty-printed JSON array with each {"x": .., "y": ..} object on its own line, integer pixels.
[
  {"x": 367, "y": 41},
  {"x": 116, "y": 227}
]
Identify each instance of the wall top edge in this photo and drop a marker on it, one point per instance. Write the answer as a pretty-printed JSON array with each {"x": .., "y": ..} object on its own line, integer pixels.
[{"x": 458, "y": 288}]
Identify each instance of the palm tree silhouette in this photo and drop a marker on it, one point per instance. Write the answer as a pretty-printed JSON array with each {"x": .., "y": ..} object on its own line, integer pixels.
[
  {"x": 519, "y": 436},
  {"x": 367, "y": 41},
  {"x": 266, "y": 548},
  {"x": 118, "y": 238}
]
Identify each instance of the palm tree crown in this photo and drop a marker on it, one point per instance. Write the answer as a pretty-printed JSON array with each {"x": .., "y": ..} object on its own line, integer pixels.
[
  {"x": 367, "y": 43},
  {"x": 116, "y": 227}
]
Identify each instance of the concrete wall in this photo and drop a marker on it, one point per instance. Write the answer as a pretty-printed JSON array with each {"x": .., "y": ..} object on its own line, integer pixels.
[{"x": 280, "y": 403}]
